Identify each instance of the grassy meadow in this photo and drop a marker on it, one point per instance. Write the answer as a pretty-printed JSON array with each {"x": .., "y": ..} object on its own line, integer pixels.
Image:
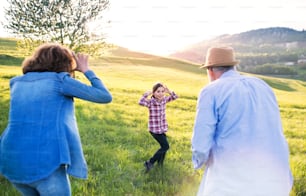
[{"x": 115, "y": 137}]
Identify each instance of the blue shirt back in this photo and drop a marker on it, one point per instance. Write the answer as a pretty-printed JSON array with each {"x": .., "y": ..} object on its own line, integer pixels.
[
  {"x": 238, "y": 136},
  {"x": 42, "y": 131}
]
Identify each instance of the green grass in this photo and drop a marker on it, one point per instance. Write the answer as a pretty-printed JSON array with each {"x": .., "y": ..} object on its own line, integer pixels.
[{"x": 115, "y": 137}]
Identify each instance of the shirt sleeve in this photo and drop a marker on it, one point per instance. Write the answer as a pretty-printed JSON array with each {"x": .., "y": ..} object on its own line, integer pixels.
[
  {"x": 204, "y": 129},
  {"x": 96, "y": 92},
  {"x": 144, "y": 101},
  {"x": 172, "y": 97}
]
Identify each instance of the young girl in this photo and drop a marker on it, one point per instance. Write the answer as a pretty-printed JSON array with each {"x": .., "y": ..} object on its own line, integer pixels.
[{"x": 157, "y": 120}]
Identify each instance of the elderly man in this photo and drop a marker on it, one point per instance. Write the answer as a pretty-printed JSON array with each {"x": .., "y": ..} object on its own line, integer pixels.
[{"x": 238, "y": 133}]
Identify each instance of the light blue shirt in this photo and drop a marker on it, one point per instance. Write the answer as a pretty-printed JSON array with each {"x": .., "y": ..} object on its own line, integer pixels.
[
  {"x": 42, "y": 131},
  {"x": 238, "y": 137}
]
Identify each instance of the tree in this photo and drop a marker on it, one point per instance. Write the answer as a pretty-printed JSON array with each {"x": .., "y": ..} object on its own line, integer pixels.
[{"x": 63, "y": 21}]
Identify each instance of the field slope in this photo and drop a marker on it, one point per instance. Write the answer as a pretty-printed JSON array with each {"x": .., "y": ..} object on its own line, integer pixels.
[{"x": 115, "y": 137}]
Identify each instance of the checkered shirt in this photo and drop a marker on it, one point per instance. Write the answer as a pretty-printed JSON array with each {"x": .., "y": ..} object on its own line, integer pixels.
[{"x": 157, "y": 112}]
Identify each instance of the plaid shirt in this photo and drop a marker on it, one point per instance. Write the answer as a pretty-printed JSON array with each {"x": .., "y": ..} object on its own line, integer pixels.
[{"x": 157, "y": 112}]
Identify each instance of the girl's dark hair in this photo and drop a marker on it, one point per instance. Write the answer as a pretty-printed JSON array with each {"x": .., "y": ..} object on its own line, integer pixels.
[
  {"x": 155, "y": 87},
  {"x": 50, "y": 58}
]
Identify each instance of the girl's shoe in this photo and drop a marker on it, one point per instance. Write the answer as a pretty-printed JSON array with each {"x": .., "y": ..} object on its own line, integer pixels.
[{"x": 148, "y": 165}]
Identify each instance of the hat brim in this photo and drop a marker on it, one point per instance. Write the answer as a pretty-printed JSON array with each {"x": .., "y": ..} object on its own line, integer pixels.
[{"x": 233, "y": 63}]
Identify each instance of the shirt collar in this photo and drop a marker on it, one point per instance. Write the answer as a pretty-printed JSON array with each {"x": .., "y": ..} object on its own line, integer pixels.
[{"x": 230, "y": 73}]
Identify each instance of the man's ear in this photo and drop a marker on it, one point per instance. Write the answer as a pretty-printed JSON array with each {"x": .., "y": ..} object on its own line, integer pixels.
[{"x": 210, "y": 76}]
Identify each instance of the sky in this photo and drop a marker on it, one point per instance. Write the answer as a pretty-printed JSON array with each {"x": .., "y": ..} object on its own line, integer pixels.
[{"x": 163, "y": 27}]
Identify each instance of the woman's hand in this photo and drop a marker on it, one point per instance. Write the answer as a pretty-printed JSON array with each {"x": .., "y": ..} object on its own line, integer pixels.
[{"x": 82, "y": 62}]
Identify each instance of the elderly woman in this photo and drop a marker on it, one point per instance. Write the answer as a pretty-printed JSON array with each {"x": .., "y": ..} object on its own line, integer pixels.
[{"x": 41, "y": 144}]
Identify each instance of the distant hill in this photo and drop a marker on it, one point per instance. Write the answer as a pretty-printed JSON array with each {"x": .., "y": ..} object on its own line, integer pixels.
[
  {"x": 125, "y": 52},
  {"x": 115, "y": 55},
  {"x": 124, "y": 56},
  {"x": 271, "y": 51},
  {"x": 280, "y": 43}
]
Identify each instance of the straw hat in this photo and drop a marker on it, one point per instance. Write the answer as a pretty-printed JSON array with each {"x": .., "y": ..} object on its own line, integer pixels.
[{"x": 220, "y": 56}]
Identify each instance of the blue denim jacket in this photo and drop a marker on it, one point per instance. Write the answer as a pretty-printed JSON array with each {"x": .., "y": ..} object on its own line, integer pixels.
[{"x": 42, "y": 131}]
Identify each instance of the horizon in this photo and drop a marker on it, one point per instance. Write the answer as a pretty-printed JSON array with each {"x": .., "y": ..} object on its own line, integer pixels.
[{"x": 164, "y": 27}]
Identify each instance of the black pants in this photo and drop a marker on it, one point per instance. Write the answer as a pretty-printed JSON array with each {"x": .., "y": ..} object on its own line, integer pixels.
[{"x": 160, "y": 154}]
